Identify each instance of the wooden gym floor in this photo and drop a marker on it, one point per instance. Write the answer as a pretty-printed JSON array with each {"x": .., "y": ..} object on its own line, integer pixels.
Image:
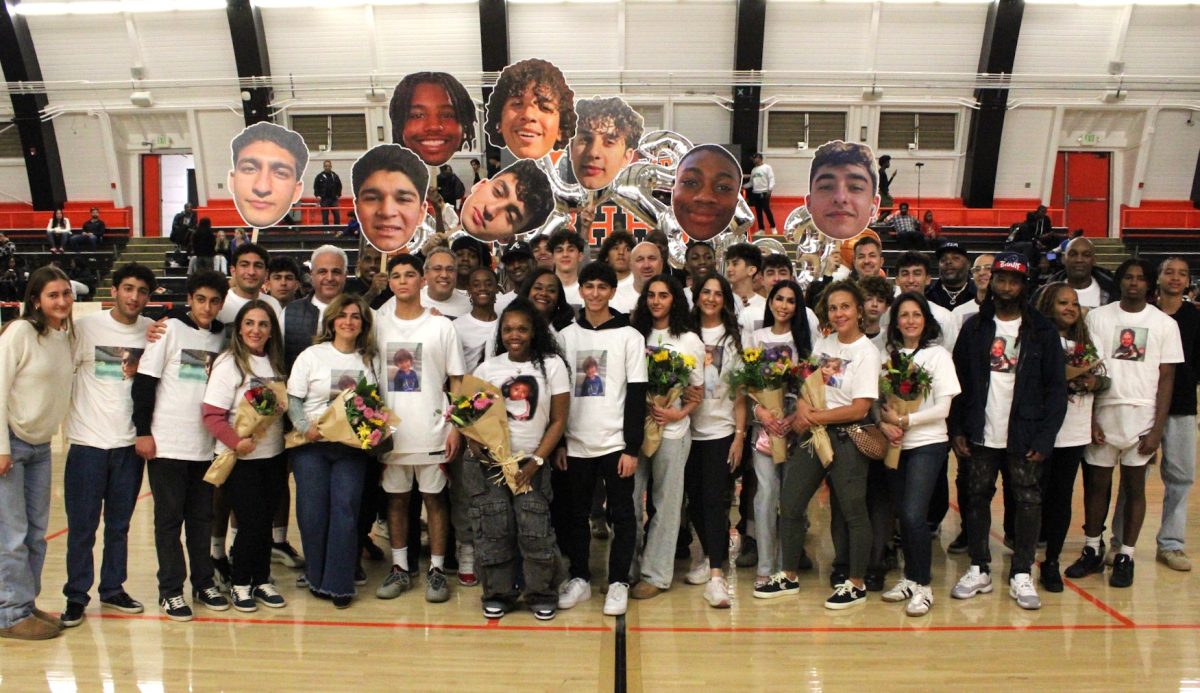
[{"x": 1088, "y": 637}]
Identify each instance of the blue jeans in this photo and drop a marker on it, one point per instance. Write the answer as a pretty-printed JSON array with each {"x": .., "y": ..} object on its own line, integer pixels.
[
  {"x": 329, "y": 483},
  {"x": 913, "y": 483},
  {"x": 1178, "y": 470},
  {"x": 95, "y": 481},
  {"x": 24, "y": 512}
]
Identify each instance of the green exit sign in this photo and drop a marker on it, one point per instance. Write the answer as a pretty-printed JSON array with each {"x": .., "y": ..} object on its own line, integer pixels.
[{"x": 1091, "y": 138}]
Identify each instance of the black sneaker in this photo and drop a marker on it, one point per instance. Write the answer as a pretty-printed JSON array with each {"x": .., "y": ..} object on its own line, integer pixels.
[
  {"x": 124, "y": 603},
  {"x": 845, "y": 596},
  {"x": 223, "y": 574},
  {"x": 360, "y": 575},
  {"x": 959, "y": 545},
  {"x": 72, "y": 615},
  {"x": 342, "y": 602},
  {"x": 1122, "y": 571},
  {"x": 1089, "y": 562},
  {"x": 874, "y": 580},
  {"x": 267, "y": 595},
  {"x": 283, "y": 552},
  {"x": 1050, "y": 578},
  {"x": 748, "y": 555},
  {"x": 211, "y": 598},
  {"x": 778, "y": 586},
  {"x": 836, "y": 578},
  {"x": 243, "y": 598},
  {"x": 494, "y": 609},
  {"x": 175, "y": 609},
  {"x": 545, "y": 612}
]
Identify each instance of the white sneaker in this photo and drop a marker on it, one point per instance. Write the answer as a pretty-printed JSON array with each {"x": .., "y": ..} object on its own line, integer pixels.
[
  {"x": 717, "y": 593},
  {"x": 921, "y": 601},
  {"x": 905, "y": 589},
  {"x": 1021, "y": 588},
  {"x": 617, "y": 600},
  {"x": 699, "y": 574},
  {"x": 574, "y": 591},
  {"x": 466, "y": 558},
  {"x": 973, "y": 582},
  {"x": 380, "y": 529}
]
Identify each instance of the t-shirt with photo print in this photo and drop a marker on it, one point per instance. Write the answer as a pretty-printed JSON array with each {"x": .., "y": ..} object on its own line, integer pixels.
[
  {"x": 107, "y": 353},
  {"x": 180, "y": 360},
  {"x": 1133, "y": 346}
]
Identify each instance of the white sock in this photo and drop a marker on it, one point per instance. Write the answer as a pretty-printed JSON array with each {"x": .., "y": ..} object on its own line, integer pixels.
[
  {"x": 1093, "y": 542},
  {"x": 400, "y": 557},
  {"x": 232, "y": 535},
  {"x": 1126, "y": 550},
  {"x": 279, "y": 534},
  {"x": 218, "y": 548},
  {"x": 437, "y": 562}
]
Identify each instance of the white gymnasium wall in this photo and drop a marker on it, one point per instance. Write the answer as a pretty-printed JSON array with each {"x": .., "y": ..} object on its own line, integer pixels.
[
  {"x": 316, "y": 41},
  {"x": 1027, "y": 132},
  {"x": 1162, "y": 41},
  {"x": 929, "y": 38},
  {"x": 816, "y": 36},
  {"x": 217, "y": 128},
  {"x": 680, "y": 36},
  {"x": 191, "y": 45},
  {"x": 412, "y": 38},
  {"x": 94, "y": 48},
  {"x": 81, "y": 149},
  {"x": 702, "y": 122},
  {"x": 1173, "y": 152},
  {"x": 575, "y": 37},
  {"x": 1066, "y": 39}
]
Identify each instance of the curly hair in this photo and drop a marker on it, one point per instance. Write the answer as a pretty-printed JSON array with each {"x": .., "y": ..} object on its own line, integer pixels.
[
  {"x": 849, "y": 286},
  {"x": 679, "y": 320},
  {"x": 839, "y": 153},
  {"x": 547, "y": 81},
  {"x": 464, "y": 108},
  {"x": 533, "y": 189},
  {"x": 598, "y": 111}
]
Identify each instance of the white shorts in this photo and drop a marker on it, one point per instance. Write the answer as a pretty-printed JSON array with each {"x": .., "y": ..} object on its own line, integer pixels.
[
  {"x": 1123, "y": 426},
  {"x": 425, "y": 467}
]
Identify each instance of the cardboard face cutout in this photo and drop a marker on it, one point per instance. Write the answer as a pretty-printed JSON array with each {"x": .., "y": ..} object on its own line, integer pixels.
[
  {"x": 843, "y": 189},
  {"x": 267, "y": 177},
  {"x": 605, "y": 142},
  {"x": 389, "y": 195},
  {"x": 708, "y": 182},
  {"x": 516, "y": 200},
  {"x": 433, "y": 115},
  {"x": 531, "y": 110}
]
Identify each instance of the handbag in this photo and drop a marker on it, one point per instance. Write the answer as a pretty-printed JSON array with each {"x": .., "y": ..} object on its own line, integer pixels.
[{"x": 869, "y": 440}]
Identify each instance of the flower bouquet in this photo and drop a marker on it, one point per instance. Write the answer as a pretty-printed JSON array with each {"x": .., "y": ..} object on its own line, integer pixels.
[
  {"x": 766, "y": 375},
  {"x": 905, "y": 385},
  {"x": 261, "y": 406},
  {"x": 477, "y": 411},
  {"x": 1082, "y": 358},
  {"x": 812, "y": 391},
  {"x": 357, "y": 417},
  {"x": 667, "y": 374}
]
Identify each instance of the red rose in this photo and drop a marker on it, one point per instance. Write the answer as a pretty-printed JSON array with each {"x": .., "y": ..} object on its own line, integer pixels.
[{"x": 906, "y": 387}]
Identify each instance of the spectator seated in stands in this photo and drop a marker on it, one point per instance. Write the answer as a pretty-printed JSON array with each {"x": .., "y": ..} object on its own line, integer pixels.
[
  {"x": 7, "y": 249},
  {"x": 906, "y": 228},
  {"x": 89, "y": 235},
  {"x": 931, "y": 230},
  {"x": 58, "y": 230},
  {"x": 204, "y": 247},
  {"x": 352, "y": 228},
  {"x": 13, "y": 279}
]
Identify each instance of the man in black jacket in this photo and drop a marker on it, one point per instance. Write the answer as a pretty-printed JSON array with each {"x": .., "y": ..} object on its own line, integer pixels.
[
  {"x": 328, "y": 189},
  {"x": 1093, "y": 285},
  {"x": 1014, "y": 398}
]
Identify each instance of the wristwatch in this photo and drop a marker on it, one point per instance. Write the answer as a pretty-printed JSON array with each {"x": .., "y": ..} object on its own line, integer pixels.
[{"x": 538, "y": 460}]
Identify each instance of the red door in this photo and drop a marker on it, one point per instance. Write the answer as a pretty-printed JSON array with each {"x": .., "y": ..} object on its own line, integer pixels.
[
  {"x": 1081, "y": 185},
  {"x": 151, "y": 195}
]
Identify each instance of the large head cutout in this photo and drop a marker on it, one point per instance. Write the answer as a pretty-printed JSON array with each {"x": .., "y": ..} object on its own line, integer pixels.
[
  {"x": 843, "y": 189},
  {"x": 515, "y": 200},
  {"x": 432, "y": 115},
  {"x": 389, "y": 195},
  {"x": 531, "y": 110},
  {"x": 708, "y": 182},
  {"x": 267, "y": 174},
  {"x": 605, "y": 141}
]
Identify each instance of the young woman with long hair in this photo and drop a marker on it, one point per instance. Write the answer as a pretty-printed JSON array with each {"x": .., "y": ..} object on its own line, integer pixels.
[{"x": 545, "y": 291}]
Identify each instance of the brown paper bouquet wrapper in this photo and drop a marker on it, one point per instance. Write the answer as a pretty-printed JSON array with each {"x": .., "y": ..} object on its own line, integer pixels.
[
  {"x": 902, "y": 407},
  {"x": 772, "y": 399},
  {"x": 491, "y": 432},
  {"x": 653, "y": 431},
  {"x": 335, "y": 427},
  {"x": 249, "y": 424},
  {"x": 1074, "y": 372},
  {"x": 818, "y": 441}
]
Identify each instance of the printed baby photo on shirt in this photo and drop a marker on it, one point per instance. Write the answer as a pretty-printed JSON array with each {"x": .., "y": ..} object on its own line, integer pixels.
[
  {"x": 1004, "y": 355},
  {"x": 714, "y": 357},
  {"x": 833, "y": 369},
  {"x": 404, "y": 366},
  {"x": 195, "y": 364},
  {"x": 590, "y": 369},
  {"x": 342, "y": 379},
  {"x": 1131, "y": 343},
  {"x": 520, "y": 397},
  {"x": 117, "y": 363}
]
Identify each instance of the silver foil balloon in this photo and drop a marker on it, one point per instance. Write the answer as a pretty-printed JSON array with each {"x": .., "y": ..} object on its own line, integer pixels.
[
  {"x": 633, "y": 190},
  {"x": 770, "y": 245},
  {"x": 676, "y": 247},
  {"x": 424, "y": 230},
  {"x": 568, "y": 197},
  {"x": 663, "y": 147},
  {"x": 800, "y": 229}
]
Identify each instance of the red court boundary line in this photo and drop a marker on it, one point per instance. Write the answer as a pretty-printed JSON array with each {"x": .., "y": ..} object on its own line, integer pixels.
[
  {"x": 491, "y": 625},
  {"x": 895, "y": 629}
]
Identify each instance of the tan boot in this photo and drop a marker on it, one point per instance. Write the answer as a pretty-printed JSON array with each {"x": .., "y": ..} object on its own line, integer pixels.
[
  {"x": 644, "y": 590},
  {"x": 32, "y": 628},
  {"x": 48, "y": 618}
]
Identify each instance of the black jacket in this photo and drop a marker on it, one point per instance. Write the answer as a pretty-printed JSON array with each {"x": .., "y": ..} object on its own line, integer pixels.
[
  {"x": 327, "y": 186},
  {"x": 1108, "y": 287},
  {"x": 1039, "y": 394}
]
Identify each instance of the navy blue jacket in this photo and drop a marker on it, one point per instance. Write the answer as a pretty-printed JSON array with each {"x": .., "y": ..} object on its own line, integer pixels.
[{"x": 1039, "y": 394}]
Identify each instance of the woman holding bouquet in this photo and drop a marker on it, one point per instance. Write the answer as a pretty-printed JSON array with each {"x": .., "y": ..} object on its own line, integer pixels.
[
  {"x": 785, "y": 329},
  {"x": 253, "y": 359},
  {"x": 35, "y": 361},
  {"x": 504, "y": 523},
  {"x": 662, "y": 316},
  {"x": 330, "y": 474},
  {"x": 718, "y": 431},
  {"x": 847, "y": 400},
  {"x": 928, "y": 379},
  {"x": 1059, "y": 302}
]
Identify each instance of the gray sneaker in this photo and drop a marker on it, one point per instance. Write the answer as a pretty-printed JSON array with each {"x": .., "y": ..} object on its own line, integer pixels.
[
  {"x": 436, "y": 589},
  {"x": 1020, "y": 588},
  {"x": 395, "y": 584}
]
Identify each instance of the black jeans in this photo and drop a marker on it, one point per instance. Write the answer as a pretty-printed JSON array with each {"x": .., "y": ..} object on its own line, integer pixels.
[
  {"x": 1058, "y": 489},
  {"x": 253, "y": 490},
  {"x": 706, "y": 486},
  {"x": 762, "y": 205},
  {"x": 1024, "y": 476},
  {"x": 183, "y": 500},
  {"x": 573, "y": 489},
  {"x": 328, "y": 206}
]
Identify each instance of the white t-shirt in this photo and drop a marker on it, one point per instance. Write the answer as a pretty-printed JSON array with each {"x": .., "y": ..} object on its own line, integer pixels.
[
  {"x": 626, "y": 297},
  {"x": 233, "y": 303},
  {"x": 226, "y": 389},
  {"x": 1133, "y": 345},
  {"x": 602, "y": 363},
  {"x": 762, "y": 179},
  {"x": 1089, "y": 297},
  {"x": 964, "y": 311},
  {"x": 429, "y": 353},
  {"x": 713, "y": 418},
  {"x": 1077, "y": 426},
  {"x": 763, "y": 337},
  {"x": 940, "y": 364},
  {"x": 106, "y": 359},
  {"x": 573, "y": 299},
  {"x": 457, "y": 305},
  {"x": 181, "y": 360},
  {"x": 321, "y": 372},
  {"x": 949, "y": 322},
  {"x": 750, "y": 312},
  {"x": 503, "y": 299},
  {"x": 478, "y": 339},
  {"x": 1004, "y": 355},
  {"x": 527, "y": 393},
  {"x": 851, "y": 371},
  {"x": 687, "y": 343}
]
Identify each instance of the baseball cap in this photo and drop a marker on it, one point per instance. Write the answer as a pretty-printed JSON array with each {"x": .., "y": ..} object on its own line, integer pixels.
[
  {"x": 951, "y": 247},
  {"x": 516, "y": 250},
  {"x": 1011, "y": 262}
]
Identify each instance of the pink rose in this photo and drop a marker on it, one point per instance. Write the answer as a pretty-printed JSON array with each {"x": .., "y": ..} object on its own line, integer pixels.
[
  {"x": 482, "y": 404},
  {"x": 358, "y": 403}
]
